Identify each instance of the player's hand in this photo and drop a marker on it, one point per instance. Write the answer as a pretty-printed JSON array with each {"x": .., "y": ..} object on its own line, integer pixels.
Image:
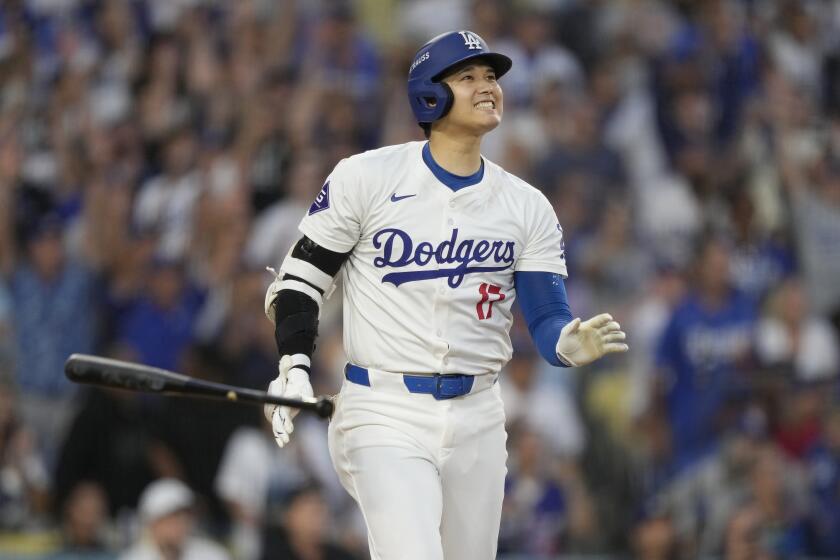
[
  {"x": 584, "y": 342},
  {"x": 292, "y": 382}
]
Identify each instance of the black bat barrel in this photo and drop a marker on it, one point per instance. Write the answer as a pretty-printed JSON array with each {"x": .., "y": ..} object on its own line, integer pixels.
[
  {"x": 96, "y": 370},
  {"x": 107, "y": 372}
]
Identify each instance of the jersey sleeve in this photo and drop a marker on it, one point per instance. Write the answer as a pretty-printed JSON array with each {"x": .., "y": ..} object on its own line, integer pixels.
[
  {"x": 544, "y": 251},
  {"x": 334, "y": 219}
]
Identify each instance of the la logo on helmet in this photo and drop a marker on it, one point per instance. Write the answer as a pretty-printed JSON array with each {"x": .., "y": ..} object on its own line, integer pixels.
[{"x": 471, "y": 40}]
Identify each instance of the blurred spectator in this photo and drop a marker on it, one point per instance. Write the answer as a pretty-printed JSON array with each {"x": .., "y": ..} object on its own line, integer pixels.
[
  {"x": 345, "y": 57},
  {"x": 703, "y": 499},
  {"x": 536, "y": 59},
  {"x": 24, "y": 479},
  {"x": 815, "y": 203},
  {"x": 54, "y": 315},
  {"x": 275, "y": 229},
  {"x": 715, "y": 52},
  {"x": 420, "y": 20},
  {"x": 795, "y": 46},
  {"x": 166, "y": 511},
  {"x": 113, "y": 441},
  {"x": 578, "y": 159},
  {"x": 670, "y": 218},
  {"x": 790, "y": 336},
  {"x": 160, "y": 324},
  {"x": 615, "y": 266},
  {"x": 654, "y": 538},
  {"x": 305, "y": 530},
  {"x": 256, "y": 479},
  {"x": 823, "y": 464},
  {"x": 704, "y": 354},
  {"x": 547, "y": 509},
  {"x": 166, "y": 202},
  {"x": 53, "y": 300},
  {"x": 221, "y": 220},
  {"x": 264, "y": 141},
  {"x": 540, "y": 405},
  {"x": 799, "y": 417},
  {"x": 647, "y": 321},
  {"x": 242, "y": 344},
  {"x": 771, "y": 523},
  {"x": 488, "y": 19},
  {"x": 743, "y": 537},
  {"x": 177, "y": 421},
  {"x": 85, "y": 529},
  {"x": 759, "y": 260}
]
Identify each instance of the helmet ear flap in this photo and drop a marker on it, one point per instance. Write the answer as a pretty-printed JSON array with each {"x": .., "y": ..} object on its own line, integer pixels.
[
  {"x": 448, "y": 99},
  {"x": 429, "y": 100}
]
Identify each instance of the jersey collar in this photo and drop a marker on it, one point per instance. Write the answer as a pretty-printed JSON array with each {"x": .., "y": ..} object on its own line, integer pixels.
[{"x": 454, "y": 182}]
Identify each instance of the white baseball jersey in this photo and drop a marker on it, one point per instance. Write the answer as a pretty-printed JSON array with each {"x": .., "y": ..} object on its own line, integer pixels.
[{"x": 428, "y": 287}]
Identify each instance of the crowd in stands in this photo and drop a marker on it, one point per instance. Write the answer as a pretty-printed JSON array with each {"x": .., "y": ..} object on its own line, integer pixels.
[{"x": 157, "y": 155}]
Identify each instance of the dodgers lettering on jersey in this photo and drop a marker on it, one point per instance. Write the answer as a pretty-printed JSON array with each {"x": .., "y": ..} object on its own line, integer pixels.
[
  {"x": 428, "y": 286},
  {"x": 398, "y": 251}
]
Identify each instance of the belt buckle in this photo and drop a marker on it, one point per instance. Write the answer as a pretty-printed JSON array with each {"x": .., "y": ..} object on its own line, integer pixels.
[{"x": 439, "y": 386}]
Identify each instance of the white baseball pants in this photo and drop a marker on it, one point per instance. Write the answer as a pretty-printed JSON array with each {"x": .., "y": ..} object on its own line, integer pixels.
[{"x": 428, "y": 475}]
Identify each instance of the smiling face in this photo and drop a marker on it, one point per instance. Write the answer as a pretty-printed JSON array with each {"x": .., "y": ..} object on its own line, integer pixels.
[{"x": 477, "y": 106}]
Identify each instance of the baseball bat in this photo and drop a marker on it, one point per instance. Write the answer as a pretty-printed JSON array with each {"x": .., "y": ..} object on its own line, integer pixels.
[{"x": 106, "y": 372}]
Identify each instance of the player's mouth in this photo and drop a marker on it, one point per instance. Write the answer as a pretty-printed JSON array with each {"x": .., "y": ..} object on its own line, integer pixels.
[{"x": 485, "y": 105}]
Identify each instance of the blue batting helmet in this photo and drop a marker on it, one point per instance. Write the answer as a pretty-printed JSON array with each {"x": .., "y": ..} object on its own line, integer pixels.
[{"x": 429, "y": 98}]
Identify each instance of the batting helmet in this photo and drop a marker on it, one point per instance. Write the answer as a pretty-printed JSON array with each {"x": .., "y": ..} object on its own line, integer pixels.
[{"x": 429, "y": 98}]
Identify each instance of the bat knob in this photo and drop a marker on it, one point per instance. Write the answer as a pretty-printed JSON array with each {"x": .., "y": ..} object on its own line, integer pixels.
[{"x": 324, "y": 407}]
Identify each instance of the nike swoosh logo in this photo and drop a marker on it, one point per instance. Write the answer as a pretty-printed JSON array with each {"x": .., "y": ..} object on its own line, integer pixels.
[{"x": 395, "y": 198}]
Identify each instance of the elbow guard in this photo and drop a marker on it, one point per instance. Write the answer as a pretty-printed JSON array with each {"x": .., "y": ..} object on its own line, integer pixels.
[
  {"x": 293, "y": 301},
  {"x": 308, "y": 268}
]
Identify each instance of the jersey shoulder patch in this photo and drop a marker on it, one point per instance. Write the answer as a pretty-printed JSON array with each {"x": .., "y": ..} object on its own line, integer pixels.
[{"x": 322, "y": 201}]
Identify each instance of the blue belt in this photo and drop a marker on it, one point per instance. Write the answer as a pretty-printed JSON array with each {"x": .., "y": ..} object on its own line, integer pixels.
[{"x": 440, "y": 386}]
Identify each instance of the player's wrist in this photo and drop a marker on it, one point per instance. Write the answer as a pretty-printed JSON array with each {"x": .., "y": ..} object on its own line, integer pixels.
[
  {"x": 300, "y": 361},
  {"x": 297, "y": 375},
  {"x": 565, "y": 360}
]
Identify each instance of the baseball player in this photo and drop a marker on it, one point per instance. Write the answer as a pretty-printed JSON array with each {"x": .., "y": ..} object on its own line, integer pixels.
[{"x": 433, "y": 243}]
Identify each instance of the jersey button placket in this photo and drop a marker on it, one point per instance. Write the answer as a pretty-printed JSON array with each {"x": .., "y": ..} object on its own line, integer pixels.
[
  {"x": 443, "y": 291},
  {"x": 441, "y": 313}
]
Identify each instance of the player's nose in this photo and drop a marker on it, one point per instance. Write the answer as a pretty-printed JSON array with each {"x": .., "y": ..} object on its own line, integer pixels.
[
  {"x": 488, "y": 86},
  {"x": 485, "y": 88}
]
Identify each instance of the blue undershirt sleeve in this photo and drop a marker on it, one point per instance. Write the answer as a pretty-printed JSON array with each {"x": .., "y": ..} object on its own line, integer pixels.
[{"x": 542, "y": 298}]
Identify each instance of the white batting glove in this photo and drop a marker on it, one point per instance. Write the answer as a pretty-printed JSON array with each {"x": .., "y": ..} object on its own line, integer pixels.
[
  {"x": 292, "y": 382},
  {"x": 584, "y": 342}
]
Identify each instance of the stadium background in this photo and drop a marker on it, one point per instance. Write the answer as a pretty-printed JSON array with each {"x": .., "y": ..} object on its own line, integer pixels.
[{"x": 156, "y": 155}]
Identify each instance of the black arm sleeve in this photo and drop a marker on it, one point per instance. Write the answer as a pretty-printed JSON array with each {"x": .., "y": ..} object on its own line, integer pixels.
[{"x": 296, "y": 314}]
